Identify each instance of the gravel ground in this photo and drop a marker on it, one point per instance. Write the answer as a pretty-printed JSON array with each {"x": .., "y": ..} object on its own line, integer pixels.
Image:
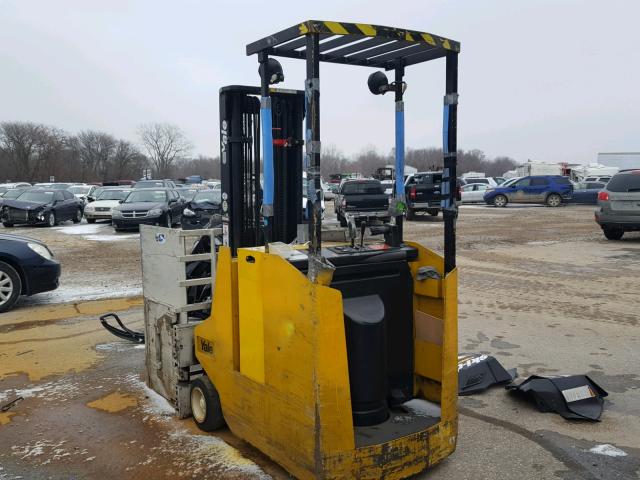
[{"x": 540, "y": 289}]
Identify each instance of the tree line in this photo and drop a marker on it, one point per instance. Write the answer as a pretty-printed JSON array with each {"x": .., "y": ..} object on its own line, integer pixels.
[
  {"x": 424, "y": 159},
  {"x": 35, "y": 152}
]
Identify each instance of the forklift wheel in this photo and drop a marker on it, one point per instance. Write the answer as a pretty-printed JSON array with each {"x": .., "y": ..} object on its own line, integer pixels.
[{"x": 205, "y": 405}]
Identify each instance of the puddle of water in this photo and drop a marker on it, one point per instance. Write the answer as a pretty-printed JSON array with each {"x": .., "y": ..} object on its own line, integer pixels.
[{"x": 114, "y": 402}]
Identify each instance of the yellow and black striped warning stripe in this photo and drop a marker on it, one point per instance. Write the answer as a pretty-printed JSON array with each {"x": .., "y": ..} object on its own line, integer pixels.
[{"x": 342, "y": 28}]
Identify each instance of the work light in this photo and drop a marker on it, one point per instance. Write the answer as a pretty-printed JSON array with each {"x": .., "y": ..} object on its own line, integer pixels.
[{"x": 274, "y": 71}]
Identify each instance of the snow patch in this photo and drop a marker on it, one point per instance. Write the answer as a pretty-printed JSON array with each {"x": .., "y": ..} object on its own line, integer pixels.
[
  {"x": 81, "y": 229},
  {"x": 154, "y": 404},
  {"x": 59, "y": 391},
  {"x": 608, "y": 450},
  {"x": 97, "y": 232}
]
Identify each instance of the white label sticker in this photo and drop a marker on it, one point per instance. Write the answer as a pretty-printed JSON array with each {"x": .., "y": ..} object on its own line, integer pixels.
[{"x": 578, "y": 393}]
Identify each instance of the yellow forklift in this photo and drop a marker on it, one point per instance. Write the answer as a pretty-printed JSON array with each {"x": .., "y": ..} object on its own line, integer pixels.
[{"x": 340, "y": 361}]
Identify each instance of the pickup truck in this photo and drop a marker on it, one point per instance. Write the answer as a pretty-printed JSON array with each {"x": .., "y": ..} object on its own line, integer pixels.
[
  {"x": 422, "y": 193},
  {"x": 362, "y": 199}
]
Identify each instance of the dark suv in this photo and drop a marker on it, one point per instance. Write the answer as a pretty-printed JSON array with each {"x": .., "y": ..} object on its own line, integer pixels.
[
  {"x": 550, "y": 190},
  {"x": 619, "y": 205}
]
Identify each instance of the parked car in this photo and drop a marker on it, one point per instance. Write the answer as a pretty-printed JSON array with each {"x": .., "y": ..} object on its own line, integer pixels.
[
  {"x": 55, "y": 186},
  {"x": 11, "y": 194},
  {"x": 551, "y": 190},
  {"x": 486, "y": 180},
  {"x": 619, "y": 205},
  {"x": 148, "y": 206},
  {"x": 422, "y": 193},
  {"x": 27, "y": 267},
  {"x": 154, "y": 184},
  {"x": 473, "y": 192},
  {"x": 500, "y": 180},
  {"x": 92, "y": 196},
  {"x": 38, "y": 206},
  {"x": 199, "y": 211},
  {"x": 362, "y": 199},
  {"x": 10, "y": 186},
  {"x": 586, "y": 192},
  {"x": 82, "y": 191},
  {"x": 101, "y": 207}
]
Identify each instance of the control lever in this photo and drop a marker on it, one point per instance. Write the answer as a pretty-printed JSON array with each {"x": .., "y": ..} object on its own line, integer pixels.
[{"x": 363, "y": 227}]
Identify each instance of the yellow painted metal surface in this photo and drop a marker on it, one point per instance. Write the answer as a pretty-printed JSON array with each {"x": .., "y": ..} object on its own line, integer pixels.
[{"x": 299, "y": 411}]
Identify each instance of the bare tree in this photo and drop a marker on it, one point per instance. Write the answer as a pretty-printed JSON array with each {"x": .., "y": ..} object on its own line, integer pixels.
[
  {"x": 96, "y": 150},
  {"x": 164, "y": 144},
  {"x": 128, "y": 161},
  {"x": 32, "y": 149}
]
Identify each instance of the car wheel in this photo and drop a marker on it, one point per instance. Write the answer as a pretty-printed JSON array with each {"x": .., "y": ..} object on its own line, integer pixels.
[
  {"x": 51, "y": 219},
  {"x": 91, "y": 220},
  {"x": 169, "y": 222},
  {"x": 434, "y": 213},
  {"x": 78, "y": 217},
  {"x": 205, "y": 405},
  {"x": 500, "y": 201},
  {"x": 10, "y": 286},
  {"x": 613, "y": 233},
  {"x": 342, "y": 220},
  {"x": 554, "y": 200},
  {"x": 7, "y": 224}
]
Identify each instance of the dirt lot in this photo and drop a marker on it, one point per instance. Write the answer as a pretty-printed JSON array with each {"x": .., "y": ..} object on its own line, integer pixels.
[{"x": 540, "y": 289}]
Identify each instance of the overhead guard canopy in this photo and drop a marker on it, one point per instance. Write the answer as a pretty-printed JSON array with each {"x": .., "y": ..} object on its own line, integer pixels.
[{"x": 357, "y": 44}]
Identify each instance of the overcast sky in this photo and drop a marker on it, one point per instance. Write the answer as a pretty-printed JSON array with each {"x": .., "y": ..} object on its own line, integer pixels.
[{"x": 547, "y": 80}]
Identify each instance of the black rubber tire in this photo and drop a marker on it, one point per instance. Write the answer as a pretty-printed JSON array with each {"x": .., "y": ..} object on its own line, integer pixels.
[
  {"x": 554, "y": 200},
  {"x": 91, "y": 220},
  {"x": 613, "y": 233},
  {"x": 7, "y": 224},
  {"x": 52, "y": 221},
  {"x": 78, "y": 217},
  {"x": 410, "y": 214},
  {"x": 202, "y": 389},
  {"x": 16, "y": 286},
  {"x": 434, "y": 213},
  {"x": 342, "y": 220}
]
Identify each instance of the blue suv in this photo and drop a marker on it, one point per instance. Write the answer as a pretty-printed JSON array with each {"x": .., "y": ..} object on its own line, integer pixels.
[{"x": 549, "y": 190}]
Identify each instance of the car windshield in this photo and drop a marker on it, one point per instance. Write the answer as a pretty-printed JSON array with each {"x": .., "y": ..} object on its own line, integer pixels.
[
  {"x": 80, "y": 189},
  {"x": 210, "y": 196},
  {"x": 360, "y": 188},
  {"x": 625, "y": 182},
  {"x": 156, "y": 196},
  {"x": 36, "y": 197},
  {"x": 111, "y": 195},
  {"x": 14, "y": 193},
  {"x": 60, "y": 186},
  {"x": 149, "y": 184}
]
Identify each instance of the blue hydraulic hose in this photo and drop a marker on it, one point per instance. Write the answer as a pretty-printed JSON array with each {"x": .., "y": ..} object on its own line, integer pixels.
[
  {"x": 267, "y": 156},
  {"x": 400, "y": 149}
]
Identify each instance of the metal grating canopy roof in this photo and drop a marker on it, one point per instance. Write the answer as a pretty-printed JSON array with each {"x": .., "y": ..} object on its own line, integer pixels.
[{"x": 357, "y": 44}]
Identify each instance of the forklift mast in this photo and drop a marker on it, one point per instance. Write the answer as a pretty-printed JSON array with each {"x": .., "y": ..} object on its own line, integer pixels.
[{"x": 241, "y": 168}]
